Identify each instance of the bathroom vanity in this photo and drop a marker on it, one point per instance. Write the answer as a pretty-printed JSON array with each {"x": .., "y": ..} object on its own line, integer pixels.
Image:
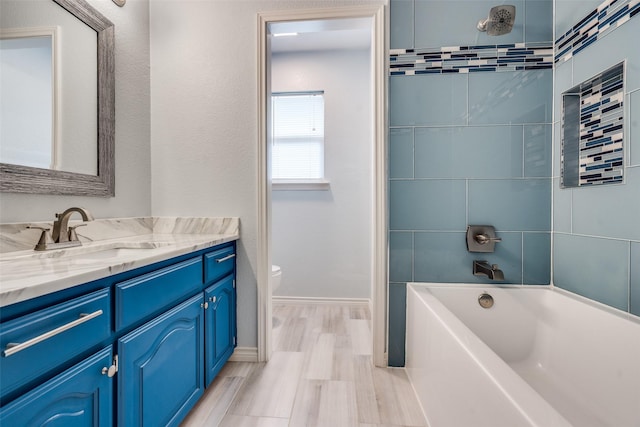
[{"x": 136, "y": 344}]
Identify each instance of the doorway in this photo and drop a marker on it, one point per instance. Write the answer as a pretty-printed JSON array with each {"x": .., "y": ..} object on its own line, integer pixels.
[{"x": 377, "y": 259}]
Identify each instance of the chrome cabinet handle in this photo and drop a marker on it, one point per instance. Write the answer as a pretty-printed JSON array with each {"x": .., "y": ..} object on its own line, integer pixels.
[
  {"x": 213, "y": 299},
  {"x": 13, "y": 348},
  {"x": 111, "y": 370},
  {"x": 228, "y": 257}
]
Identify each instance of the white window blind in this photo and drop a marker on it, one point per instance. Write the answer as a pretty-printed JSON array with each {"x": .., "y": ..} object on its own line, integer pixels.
[{"x": 298, "y": 135}]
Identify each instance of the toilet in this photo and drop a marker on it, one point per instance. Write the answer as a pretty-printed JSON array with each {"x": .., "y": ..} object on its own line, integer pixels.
[{"x": 276, "y": 277}]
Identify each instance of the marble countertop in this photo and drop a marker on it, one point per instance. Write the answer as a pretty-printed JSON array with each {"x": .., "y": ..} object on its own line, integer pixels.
[{"x": 133, "y": 243}]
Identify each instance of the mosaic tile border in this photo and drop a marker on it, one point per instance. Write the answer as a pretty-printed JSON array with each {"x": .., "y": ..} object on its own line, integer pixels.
[
  {"x": 469, "y": 59},
  {"x": 605, "y": 18},
  {"x": 600, "y": 124}
]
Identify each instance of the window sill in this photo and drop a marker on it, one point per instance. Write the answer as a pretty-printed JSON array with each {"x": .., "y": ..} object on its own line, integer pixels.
[{"x": 300, "y": 185}]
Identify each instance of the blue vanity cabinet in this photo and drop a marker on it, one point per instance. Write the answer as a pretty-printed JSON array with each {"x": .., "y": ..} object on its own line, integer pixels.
[
  {"x": 165, "y": 331},
  {"x": 146, "y": 295},
  {"x": 82, "y": 396},
  {"x": 39, "y": 344},
  {"x": 220, "y": 328},
  {"x": 160, "y": 375},
  {"x": 219, "y": 263}
]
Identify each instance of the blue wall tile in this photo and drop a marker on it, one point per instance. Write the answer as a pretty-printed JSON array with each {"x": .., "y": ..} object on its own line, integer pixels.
[
  {"x": 469, "y": 152},
  {"x": 427, "y": 205},
  {"x": 593, "y": 267},
  {"x": 538, "y": 21},
  {"x": 397, "y": 322},
  {"x": 610, "y": 210},
  {"x": 454, "y": 23},
  {"x": 401, "y": 27},
  {"x": 561, "y": 207},
  {"x": 634, "y": 294},
  {"x": 443, "y": 257},
  {"x": 579, "y": 135},
  {"x": 511, "y": 205},
  {"x": 428, "y": 100},
  {"x": 557, "y": 148},
  {"x": 401, "y": 153},
  {"x": 481, "y": 152},
  {"x": 538, "y": 149},
  {"x": 536, "y": 265},
  {"x": 634, "y": 129},
  {"x": 615, "y": 47},
  {"x": 563, "y": 82},
  {"x": 510, "y": 98},
  {"x": 598, "y": 266},
  {"x": 570, "y": 12},
  {"x": 400, "y": 256}
]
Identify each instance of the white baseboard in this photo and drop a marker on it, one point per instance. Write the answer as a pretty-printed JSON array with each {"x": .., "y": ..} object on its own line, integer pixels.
[
  {"x": 244, "y": 354},
  {"x": 317, "y": 300}
]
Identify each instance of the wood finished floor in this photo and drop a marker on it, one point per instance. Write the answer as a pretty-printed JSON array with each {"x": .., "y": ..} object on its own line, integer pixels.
[{"x": 320, "y": 374}]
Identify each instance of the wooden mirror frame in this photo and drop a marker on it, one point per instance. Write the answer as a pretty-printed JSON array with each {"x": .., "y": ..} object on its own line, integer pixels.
[{"x": 26, "y": 179}]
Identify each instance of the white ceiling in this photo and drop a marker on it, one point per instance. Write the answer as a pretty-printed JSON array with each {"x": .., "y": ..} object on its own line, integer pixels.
[{"x": 335, "y": 34}]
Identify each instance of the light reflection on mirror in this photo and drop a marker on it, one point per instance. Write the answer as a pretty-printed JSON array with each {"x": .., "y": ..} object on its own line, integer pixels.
[
  {"x": 41, "y": 125},
  {"x": 28, "y": 87}
]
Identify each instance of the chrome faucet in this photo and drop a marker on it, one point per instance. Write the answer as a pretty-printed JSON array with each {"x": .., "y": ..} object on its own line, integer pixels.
[
  {"x": 483, "y": 268},
  {"x": 61, "y": 232},
  {"x": 62, "y": 235}
]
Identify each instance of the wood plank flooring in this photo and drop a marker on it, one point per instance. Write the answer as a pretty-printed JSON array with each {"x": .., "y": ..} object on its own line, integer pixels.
[{"x": 320, "y": 375}]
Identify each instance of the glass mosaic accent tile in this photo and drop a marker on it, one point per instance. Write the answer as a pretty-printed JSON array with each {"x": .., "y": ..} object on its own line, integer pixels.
[
  {"x": 469, "y": 59},
  {"x": 602, "y": 20},
  {"x": 593, "y": 130}
]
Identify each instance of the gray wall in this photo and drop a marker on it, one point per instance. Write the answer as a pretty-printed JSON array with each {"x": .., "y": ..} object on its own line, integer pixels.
[
  {"x": 204, "y": 127},
  {"x": 322, "y": 239}
]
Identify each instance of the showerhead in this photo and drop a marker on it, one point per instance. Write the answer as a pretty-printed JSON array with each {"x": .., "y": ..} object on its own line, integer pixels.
[{"x": 500, "y": 20}]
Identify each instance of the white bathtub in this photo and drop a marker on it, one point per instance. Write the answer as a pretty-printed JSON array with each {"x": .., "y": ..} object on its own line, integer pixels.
[{"x": 538, "y": 357}]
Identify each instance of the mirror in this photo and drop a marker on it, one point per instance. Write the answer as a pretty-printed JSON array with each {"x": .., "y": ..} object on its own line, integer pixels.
[{"x": 79, "y": 146}]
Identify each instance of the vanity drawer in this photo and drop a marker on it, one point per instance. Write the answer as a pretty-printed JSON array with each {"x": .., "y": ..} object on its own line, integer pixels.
[
  {"x": 38, "y": 342},
  {"x": 143, "y": 296},
  {"x": 219, "y": 263}
]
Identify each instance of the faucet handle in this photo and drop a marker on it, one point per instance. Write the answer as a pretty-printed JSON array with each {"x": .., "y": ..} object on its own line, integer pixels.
[
  {"x": 481, "y": 238},
  {"x": 73, "y": 236},
  {"x": 485, "y": 238},
  {"x": 45, "y": 238}
]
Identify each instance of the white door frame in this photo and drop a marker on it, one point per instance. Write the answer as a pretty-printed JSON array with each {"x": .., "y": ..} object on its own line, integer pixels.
[{"x": 379, "y": 254}]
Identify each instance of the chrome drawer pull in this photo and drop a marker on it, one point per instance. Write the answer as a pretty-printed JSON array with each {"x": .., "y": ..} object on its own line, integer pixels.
[
  {"x": 13, "y": 348},
  {"x": 227, "y": 258}
]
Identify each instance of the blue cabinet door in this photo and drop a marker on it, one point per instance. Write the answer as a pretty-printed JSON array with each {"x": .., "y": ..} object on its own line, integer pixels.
[
  {"x": 220, "y": 326},
  {"x": 82, "y": 396},
  {"x": 160, "y": 376}
]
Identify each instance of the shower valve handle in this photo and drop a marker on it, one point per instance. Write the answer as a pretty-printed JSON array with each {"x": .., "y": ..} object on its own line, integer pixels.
[{"x": 483, "y": 239}]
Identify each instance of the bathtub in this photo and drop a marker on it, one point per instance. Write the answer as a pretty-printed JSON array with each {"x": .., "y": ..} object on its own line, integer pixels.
[{"x": 539, "y": 357}]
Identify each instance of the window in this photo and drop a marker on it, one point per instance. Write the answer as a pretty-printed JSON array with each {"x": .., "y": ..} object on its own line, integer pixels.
[{"x": 298, "y": 137}]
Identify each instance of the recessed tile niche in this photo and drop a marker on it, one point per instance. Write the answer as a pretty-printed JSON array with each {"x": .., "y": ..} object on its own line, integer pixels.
[{"x": 593, "y": 131}]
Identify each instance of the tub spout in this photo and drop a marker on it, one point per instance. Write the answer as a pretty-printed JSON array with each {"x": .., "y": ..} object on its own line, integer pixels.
[{"x": 483, "y": 268}]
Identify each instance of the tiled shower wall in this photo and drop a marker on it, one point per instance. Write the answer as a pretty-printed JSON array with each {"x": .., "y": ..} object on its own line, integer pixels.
[
  {"x": 597, "y": 229},
  {"x": 466, "y": 148}
]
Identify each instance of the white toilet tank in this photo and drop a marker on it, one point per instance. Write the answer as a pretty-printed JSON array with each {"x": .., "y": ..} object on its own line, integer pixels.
[{"x": 276, "y": 277}]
